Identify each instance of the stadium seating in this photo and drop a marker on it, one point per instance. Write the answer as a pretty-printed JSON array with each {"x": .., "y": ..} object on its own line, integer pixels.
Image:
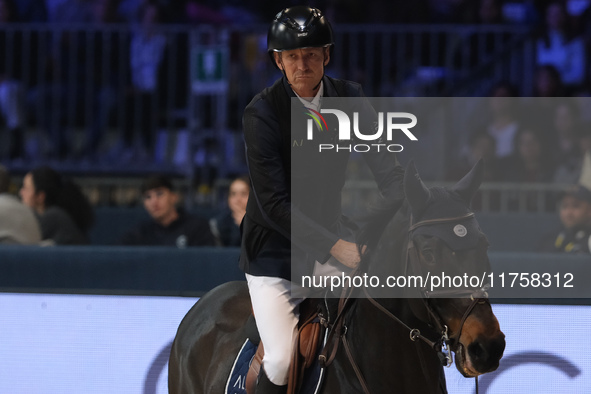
[{"x": 518, "y": 232}]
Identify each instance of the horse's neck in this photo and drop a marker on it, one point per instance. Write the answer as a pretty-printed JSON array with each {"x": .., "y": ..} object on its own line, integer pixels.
[
  {"x": 390, "y": 256},
  {"x": 381, "y": 348}
]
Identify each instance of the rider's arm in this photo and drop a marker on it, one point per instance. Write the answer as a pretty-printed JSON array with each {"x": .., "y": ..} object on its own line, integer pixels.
[{"x": 269, "y": 178}]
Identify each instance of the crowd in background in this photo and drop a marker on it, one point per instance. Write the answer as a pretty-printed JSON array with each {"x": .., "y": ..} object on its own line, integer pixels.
[
  {"x": 135, "y": 93},
  {"x": 541, "y": 139},
  {"x": 261, "y": 11},
  {"x": 545, "y": 138},
  {"x": 53, "y": 210},
  {"x": 540, "y": 134}
]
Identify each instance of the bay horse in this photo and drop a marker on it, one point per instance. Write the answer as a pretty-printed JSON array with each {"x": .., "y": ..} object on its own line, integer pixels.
[{"x": 394, "y": 345}]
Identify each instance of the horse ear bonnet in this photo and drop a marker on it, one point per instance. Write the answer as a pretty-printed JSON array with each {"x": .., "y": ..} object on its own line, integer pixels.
[
  {"x": 417, "y": 194},
  {"x": 469, "y": 184},
  {"x": 460, "y": 234}
]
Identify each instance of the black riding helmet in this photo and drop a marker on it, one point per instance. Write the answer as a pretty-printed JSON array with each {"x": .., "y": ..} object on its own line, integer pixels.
[{"x": 298, "y": 27}]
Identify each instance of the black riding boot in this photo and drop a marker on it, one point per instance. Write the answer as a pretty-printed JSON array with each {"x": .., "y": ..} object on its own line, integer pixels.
[{"x": 265, "y": 386}]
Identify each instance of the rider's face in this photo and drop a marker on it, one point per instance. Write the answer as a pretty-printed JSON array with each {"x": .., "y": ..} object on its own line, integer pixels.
[{"x": 304, "y": 68}]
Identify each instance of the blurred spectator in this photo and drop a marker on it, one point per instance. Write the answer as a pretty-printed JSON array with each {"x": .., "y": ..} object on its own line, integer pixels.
[
  {"x": 129, "y": 10},
  {"x": 11, "y": 90},
  {"x": 566, "y": 132},
  {"x": 570, "y": 170},
  {"x": 63, "y": 211},
  {"x": 451, "y": 11},
  {"x": 481, "y": 145},
  {"x": 104, "y": 78},
  {"x": 531, "y": 161},
  {"x": 585, "y": 178},
  {"x": 525, "y": 12},
  {"x": 503, "y": 124},
  {"x": 169, "y": 226},
  {"x": 57, "y": 102},
  {"x": 33, "y": 11},
  {"x": 105, "y": 12},
  {"x": 198, "y": 12},
  {"x": 582, "y": 98},
  {"x": 585, "y": 139},
  {"x": 560, "y": 47},
  {"x": 490, "y": 12},
  {"x": 548, "y": 82},
  {"x": 148, "y": 49},
  {"x": 238, "y": 13},
  {"x": 18, "y": 224},
  {"x": 539, "y": 110},
  {"x": 226, "y": 226},
  {"x": 71, "y": 11},
  {"x": 82, "y": 74},
  {"x": 474, "y": 47},
  {"x": 575, "y": 215}
]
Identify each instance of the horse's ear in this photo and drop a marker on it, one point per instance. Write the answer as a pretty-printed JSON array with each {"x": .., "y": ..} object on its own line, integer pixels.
[
  {"x": 417, "y": 194},
  {"x": 469, "y": 184}
]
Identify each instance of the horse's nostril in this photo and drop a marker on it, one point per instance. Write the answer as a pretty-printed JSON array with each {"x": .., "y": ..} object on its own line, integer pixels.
[
  {"x": 477, "y": 351},
  {"x": 486, "y": 353}
]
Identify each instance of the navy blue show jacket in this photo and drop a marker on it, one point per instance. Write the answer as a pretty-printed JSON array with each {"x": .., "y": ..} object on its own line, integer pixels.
[{"x": 294, "y": 208}]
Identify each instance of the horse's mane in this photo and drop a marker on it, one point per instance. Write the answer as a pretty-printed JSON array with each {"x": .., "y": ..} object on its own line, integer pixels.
[{"x": 375, "y": 223}]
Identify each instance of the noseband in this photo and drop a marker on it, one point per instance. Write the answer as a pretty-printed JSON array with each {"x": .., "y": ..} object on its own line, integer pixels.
[{"x": 338, "y": 329}]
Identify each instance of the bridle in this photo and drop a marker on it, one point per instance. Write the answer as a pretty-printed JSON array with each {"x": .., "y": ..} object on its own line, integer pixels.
[
  {"x": 338, "y": 329},
  {"x": 477, "y": 296}
]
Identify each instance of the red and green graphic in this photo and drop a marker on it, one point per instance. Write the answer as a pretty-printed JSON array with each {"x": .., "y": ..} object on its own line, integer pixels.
[{"x": 317, "y": 118}]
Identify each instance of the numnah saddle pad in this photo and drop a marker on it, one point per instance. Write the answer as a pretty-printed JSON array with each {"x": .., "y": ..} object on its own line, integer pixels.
[{"x": 237, "y": 381}]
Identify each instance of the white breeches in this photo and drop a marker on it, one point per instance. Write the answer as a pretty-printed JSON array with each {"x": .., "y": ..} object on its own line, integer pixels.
[{"x": 276, "y": 314}]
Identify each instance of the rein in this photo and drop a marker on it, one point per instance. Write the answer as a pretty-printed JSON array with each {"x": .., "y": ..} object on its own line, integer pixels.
[{"x": 338, "y": 329}]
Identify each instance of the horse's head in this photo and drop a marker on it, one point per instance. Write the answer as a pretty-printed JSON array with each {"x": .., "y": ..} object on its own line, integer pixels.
[{"x": 445, "y": 241}]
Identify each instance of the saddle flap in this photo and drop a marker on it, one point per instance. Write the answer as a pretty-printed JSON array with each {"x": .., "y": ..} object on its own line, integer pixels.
[
  {"x": 307, "y": 341},
  {"x": 309, "y": 337},
  {"x": 304, "y": 355}
]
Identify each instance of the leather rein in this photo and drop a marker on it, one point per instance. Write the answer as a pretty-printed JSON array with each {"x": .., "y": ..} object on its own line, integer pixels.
[{"x": 338, "y": 329}]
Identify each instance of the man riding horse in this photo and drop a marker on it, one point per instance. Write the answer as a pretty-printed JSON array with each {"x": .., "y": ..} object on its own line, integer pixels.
[{"x": 300, "y": 44}]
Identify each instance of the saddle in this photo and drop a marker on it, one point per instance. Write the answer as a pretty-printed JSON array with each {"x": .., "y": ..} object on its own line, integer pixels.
[{"x": 310, "y": 331}]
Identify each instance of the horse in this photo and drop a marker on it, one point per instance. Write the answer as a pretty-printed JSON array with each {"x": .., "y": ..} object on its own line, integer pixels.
[{"x": 393, "y": 345}]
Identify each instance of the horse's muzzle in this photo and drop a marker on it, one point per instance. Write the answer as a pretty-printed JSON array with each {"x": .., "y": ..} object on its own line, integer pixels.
[{"x": 481, "y": 355}]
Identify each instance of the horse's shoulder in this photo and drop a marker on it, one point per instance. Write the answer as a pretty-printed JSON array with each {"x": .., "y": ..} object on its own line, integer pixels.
[
  {"x": 224, "y": 307},
  {"x": 227, "y": 291}
]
